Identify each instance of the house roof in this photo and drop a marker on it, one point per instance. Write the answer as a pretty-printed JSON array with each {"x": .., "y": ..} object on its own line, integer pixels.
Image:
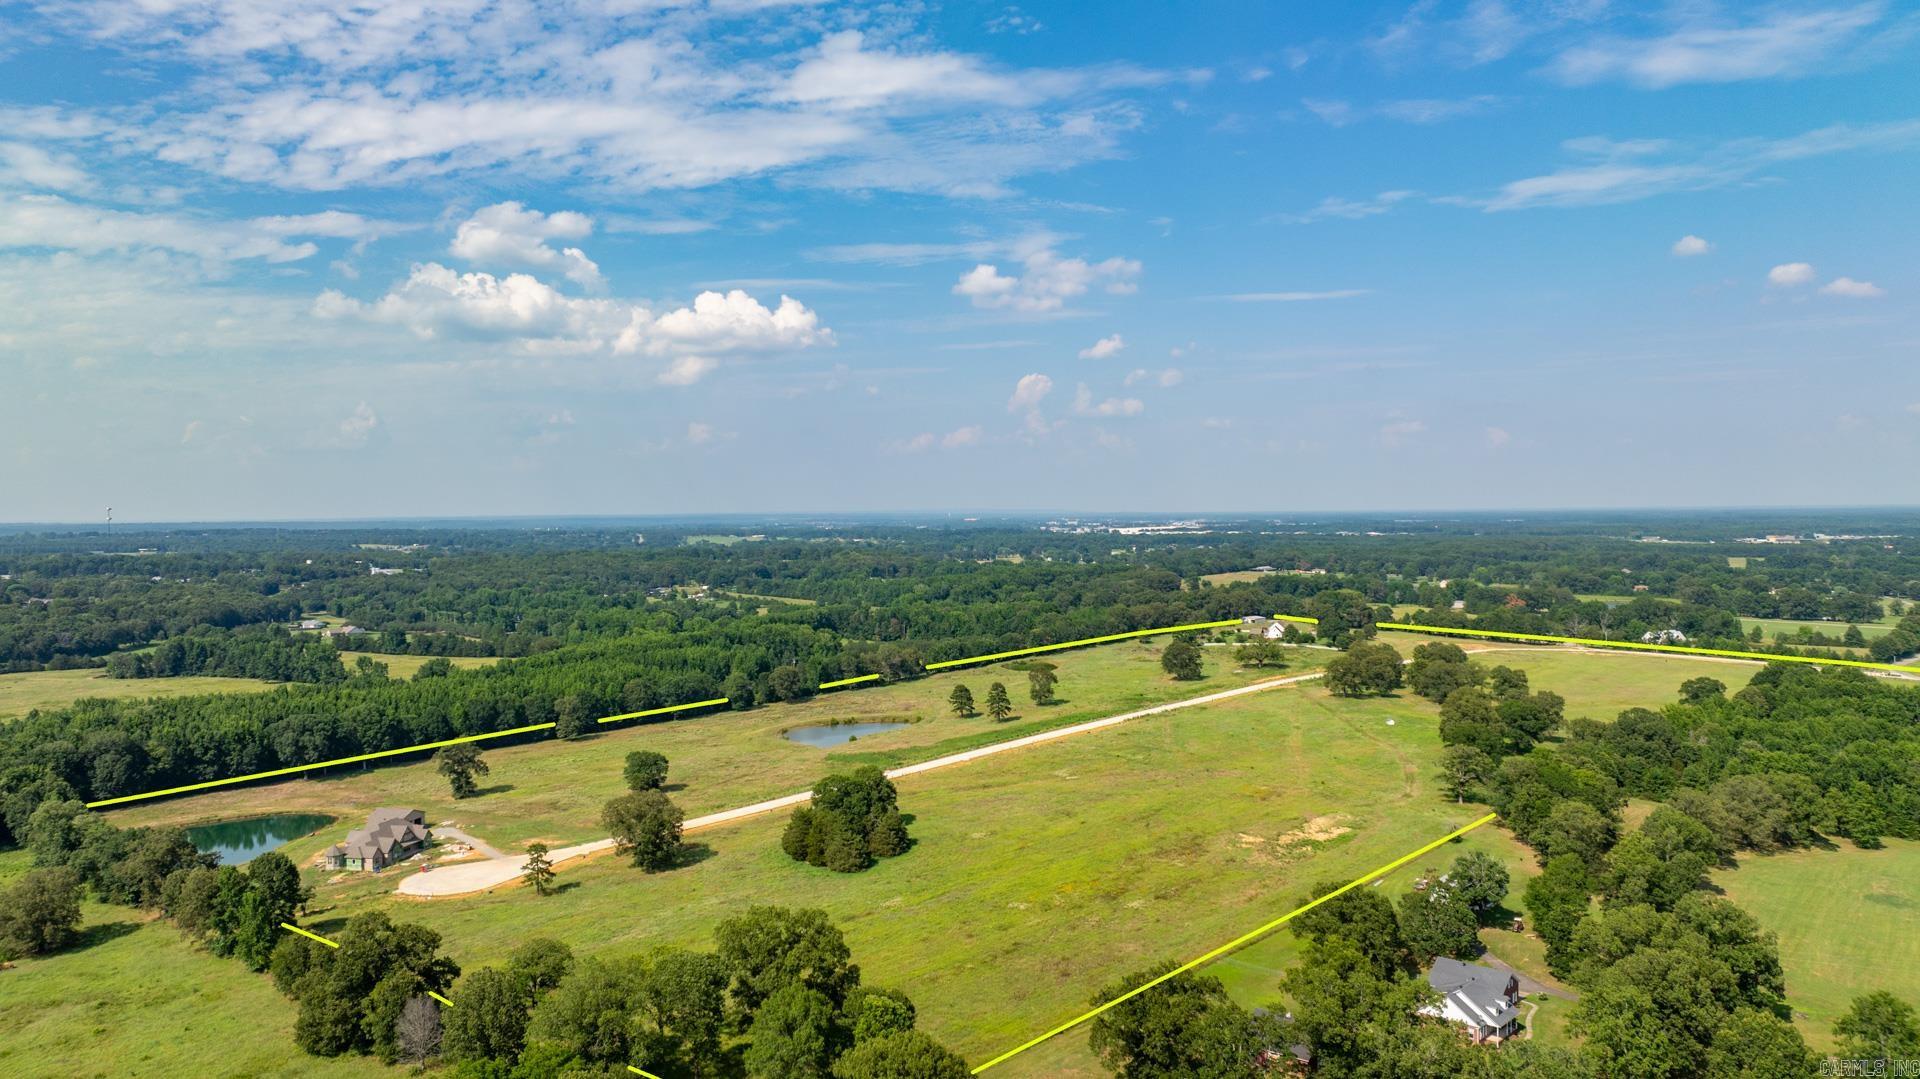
[{"x": 1479, "y": 992}]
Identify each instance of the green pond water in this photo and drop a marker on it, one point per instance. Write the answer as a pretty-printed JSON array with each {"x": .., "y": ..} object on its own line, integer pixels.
[
  {"x": 236, "y": 841},
  {"x": 835, "y": 734}
]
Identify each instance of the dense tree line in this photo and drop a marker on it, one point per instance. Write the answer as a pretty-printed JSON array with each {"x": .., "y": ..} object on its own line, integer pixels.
[
  {"x": 267, "y": 652},
  {"x": 778, "y": 998}
]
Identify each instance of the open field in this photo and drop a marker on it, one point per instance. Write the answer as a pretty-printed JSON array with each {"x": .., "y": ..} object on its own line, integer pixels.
[
  {"x": 1790, "y": 626},
  {"x": 1040, "y": 876},
  {"x": 1036, "y": 877},
  {"x": 406, "y": 666},
  {"x": 553, "y": 791},
  {"x": 1237, "y": 576},
  {"x": 136, "y": 999},
  {"x": 22, "y": 693},
  {"x": 1596, "y": 682},
  {"x": 792, "y": 600},
  {"x": 1846, "y": 923}
]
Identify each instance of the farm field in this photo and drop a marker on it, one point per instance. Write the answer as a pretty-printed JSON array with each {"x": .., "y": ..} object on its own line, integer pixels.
[
  {"x": 1845, "y": 919},
  {"x": 1036, "y": 877},
  {"x": 1791, "y": 626},
  {"x": 136, "y": 999},
  {"x": 1596, "y": 682},
  {"x": 402, "y": 667},
  {"x": 1235, "y": 577},
  {"x": 553, "y": 791},
  {"x": 22, "y": 693},
  {"x": 1040, "y": 876}
]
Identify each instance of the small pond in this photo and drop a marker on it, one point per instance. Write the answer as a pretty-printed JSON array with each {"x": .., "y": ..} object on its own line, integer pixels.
[
  {"x": 837, "y": 733},
  {"x": 236, "y": 841}
]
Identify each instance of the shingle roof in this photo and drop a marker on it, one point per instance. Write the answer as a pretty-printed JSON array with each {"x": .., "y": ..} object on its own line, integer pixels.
[{"x": 1480, "y": 992}]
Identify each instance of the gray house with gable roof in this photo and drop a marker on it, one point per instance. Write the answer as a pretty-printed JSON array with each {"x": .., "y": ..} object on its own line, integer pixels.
[
  {"x": 390, "y": 835},
  {"x": 1479, "y": 998}
]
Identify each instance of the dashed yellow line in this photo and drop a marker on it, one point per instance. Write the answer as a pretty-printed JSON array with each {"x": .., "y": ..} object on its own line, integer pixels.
[
  {"x": 1237, "y": 942},
  {"x": 663, "y": 711},
  {"x": 945, "y": 663}
]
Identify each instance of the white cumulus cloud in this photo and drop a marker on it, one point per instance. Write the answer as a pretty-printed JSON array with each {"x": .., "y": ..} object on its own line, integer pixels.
[
  {"x": 1847, "y": 286},
  {"x": 1790, "y": 274},
  {"x": 434, "y": 301},
  {"x": 509, "y": 234},
  {"x": 1029, "y": 392},
  {"x": 1101, "y": 349},
  {"x": 1046, "y": 282},
  {"x": 1690, "y": 245},
  {"x": 1085, "y": 405}
]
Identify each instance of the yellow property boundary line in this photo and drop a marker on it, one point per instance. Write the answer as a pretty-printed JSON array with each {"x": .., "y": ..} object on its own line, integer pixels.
[
  {"x": 318, "y": 764},
  {"x": 663, "y": 711},
  {"x": 1641, "y": 646},
  {"x": 290, "y": 770},
  {"x": 290, "y": 927},
  {"x": 1237, "y": 942},
  {"x": 1762, "y": 657},
  {"x": 945, "y": 663}
]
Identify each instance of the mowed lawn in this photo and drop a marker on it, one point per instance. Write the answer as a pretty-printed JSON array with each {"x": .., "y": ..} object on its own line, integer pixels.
[
  {"x": 1846, "y": 920},
  {"x": 22, "y": 693},
  {"x": 1790, "y": 626},
  {"x": 408, "y": 666},
  {"x": 553, "y": 791}
]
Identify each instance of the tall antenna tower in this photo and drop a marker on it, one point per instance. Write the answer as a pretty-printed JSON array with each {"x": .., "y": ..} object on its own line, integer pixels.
[{"x": 109, "y": 522}]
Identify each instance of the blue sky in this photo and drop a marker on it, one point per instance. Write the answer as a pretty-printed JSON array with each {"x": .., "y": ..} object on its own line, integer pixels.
[{"x": 318, "y": 259}]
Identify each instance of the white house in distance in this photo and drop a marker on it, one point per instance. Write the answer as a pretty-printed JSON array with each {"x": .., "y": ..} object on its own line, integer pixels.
[
  {"x": 1664, "y": 636},
  {"x": 1478, "y": 998},
  {"x": 1269, "y": 628}
]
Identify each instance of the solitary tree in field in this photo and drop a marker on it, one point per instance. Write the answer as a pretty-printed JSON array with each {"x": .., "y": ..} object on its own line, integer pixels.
[
  {"x": 1261, "y": 653},
  {"x": 40, "y": 913},
  {"x": 1365, "y": 670},
  {"x": 1181, "y": 658},
  {"x": 961, "y": 701},
  {"x": 538, "y": 871},
  {"x": 646, "y": 770},
  {"x": 999, "y": 706},
  {"x": 460, "y": 764},
  {"x": 1040, "y": 683},
  {"x": 646, "y": 826},
  {"x": 570, "y": 719}
]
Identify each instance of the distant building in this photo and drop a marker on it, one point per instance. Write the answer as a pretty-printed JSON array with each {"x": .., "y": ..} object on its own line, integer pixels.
[
  {"x": 1481, "y": 999},
  {"x": 1639, "y": 588},
  {"x": 344, "y": 631},
  {"x": 1274, "y": 631},
  {"x": 390, "y": 835},
  {"x": 310, "y": 623},
  {"x": 1663, "y": 636},
  {"x": 1458, "y": 605},
  {"x": 383, "y": 571},
  {"x": 1296, "y": 1057}
]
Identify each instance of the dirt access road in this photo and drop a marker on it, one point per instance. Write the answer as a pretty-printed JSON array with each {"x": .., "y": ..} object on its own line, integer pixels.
[{"x": 462, "y": 878}]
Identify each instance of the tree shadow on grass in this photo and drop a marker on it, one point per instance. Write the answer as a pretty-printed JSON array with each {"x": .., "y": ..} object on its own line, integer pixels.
[
  {"x": 692, "y": 854},
  {"x": 497, "y": 788},
  {"x": 95, "y": 935}
]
